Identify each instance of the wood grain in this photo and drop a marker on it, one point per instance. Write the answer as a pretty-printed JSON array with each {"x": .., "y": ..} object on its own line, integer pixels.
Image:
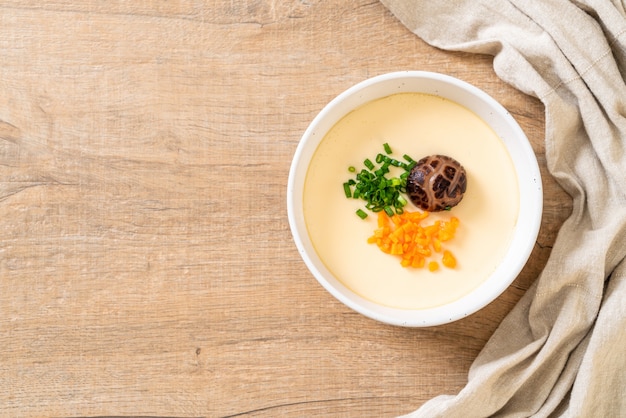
[{"x": 147, "y": 266}]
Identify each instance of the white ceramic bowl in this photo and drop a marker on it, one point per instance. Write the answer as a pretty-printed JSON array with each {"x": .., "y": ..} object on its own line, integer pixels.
[{"x": 517, "y": 145}]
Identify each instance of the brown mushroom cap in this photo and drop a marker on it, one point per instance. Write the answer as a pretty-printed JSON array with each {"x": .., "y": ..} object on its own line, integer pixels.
[{"x": 436, "y": 183}]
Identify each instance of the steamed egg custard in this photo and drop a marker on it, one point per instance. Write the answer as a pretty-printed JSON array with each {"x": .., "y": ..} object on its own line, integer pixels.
[{"x": 417, "y": 125}]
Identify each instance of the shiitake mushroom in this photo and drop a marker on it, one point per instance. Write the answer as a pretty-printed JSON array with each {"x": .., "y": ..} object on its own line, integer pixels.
[{"x": 436, "y": 183}]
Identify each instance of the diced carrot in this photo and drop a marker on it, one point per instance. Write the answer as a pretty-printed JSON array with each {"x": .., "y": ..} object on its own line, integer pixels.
[
  {"x": 448, "y": 259},
  {"x": 383, "y": 219},
  {"x": 404, "y": 236},
  {"x": 418, "y": 262}
]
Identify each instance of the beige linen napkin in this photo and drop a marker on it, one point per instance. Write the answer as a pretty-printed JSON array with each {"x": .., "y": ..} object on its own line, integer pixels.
[{"x": 562, "y": 349}]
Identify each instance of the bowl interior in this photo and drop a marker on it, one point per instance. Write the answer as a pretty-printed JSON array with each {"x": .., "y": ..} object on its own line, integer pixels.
[{"x": 503, "y": 124}]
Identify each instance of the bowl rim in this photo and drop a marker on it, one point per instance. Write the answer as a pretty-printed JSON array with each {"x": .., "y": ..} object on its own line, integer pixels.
[{"x": 518, "y": 147}]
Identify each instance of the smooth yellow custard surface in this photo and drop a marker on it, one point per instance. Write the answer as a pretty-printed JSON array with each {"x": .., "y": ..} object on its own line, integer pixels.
[{"x": 417, "y": 125}]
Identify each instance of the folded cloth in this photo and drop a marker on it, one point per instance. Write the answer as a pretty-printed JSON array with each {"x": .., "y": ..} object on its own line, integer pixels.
[{"x": 562, "y": 349}]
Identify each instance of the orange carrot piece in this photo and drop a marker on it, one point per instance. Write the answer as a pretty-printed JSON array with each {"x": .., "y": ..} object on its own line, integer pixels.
[
  {"x": 448, "y": 259},
  {"x": 404, "y": 236}
]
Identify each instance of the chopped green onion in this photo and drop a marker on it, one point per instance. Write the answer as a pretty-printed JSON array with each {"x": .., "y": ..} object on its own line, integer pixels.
[
  {"x": 378, "y": 191},
  {"x": 346, "y": 189},
  {"x": 361, "y": 213}
]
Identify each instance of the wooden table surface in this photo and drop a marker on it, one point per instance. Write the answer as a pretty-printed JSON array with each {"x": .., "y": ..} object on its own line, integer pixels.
[{"x": 147, "y": 266}]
